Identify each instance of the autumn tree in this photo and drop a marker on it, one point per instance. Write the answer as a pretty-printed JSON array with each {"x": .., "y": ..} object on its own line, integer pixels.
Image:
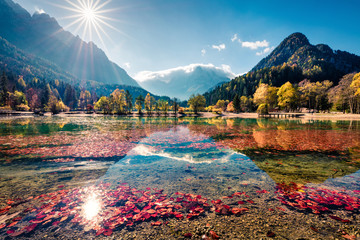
[
  {"x": 222, "y": 104},
  {"x": 315, "y": 94},
  {"x": 230, "y": 107},
  {"x": 56, "y": 106},
  {"x": 288, "y": 97},
  {"x": 21, "y": 84},
  {"x": 266, "y": 94},
  {"x": 355, "y": 94},
  {"x": 245, "y": 104},
  {"x": 341, "y": 95},
  {"x": 355, "y": 84},
  {"x": 103, "y": 105},
  {"x": 163, "y": 105},
  {"x": 263, "y": 108},
  {"x": 197, "y": 103},
  {"x": 322, "y": 99},
  {"x": 307, "y": 97},
  {"x": 17, "y": 101},
  {"x": 118, "y": 101},
  {"x": 34, "y": 102},
  {"x": 33, "y": 99},
  {"x": 85, "y": 99},
  {"x": 260, "y": 95},
  {"x": 149, "y": 103}
]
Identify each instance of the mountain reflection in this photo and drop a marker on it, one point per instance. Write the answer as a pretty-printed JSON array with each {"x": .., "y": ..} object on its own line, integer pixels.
[{"x": 179, "y": 154}]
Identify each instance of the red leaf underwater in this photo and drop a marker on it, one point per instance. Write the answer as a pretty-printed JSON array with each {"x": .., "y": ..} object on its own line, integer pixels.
[
  {"x": 31, "y": 227},
  {"x": 158, "y": 223},
  {"x": 188, "y": 235},
  {"x": 107, "y": 232},
  {"x": 339, "y": 219},
  {"x": 238, "y": 210},
  {"x": 214, "y": 235}
]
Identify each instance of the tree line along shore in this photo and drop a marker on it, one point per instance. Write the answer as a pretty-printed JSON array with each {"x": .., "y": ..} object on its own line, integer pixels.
[{"x": 56, "y": 97}]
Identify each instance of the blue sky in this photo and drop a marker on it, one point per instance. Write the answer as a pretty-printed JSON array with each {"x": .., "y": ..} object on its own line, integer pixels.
[{"x": 155, "y": 35}]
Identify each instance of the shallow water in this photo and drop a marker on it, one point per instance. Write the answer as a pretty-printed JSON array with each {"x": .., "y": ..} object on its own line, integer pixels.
[{"x": 164, "y": 178}]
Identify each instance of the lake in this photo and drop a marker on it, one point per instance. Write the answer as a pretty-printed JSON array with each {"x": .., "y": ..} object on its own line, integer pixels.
[{"x": 166, "y": 178}]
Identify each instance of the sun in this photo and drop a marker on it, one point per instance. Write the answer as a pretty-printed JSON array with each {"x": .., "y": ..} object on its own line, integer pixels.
[
  {"x": 89, "y": 17},
  {"x": 89, "y": 14}
]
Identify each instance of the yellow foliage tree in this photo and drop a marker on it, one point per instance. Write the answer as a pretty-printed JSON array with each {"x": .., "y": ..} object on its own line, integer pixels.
[
  {"x": 103, "y": 105},
  {"x": 85, "y": 99},
  {"x": 149, "y": 103},
  {"x": 118, "y": 101},
  {"x": 266, "y": 94},
  {"x": 288, "y": 97},
  {"x": 355, "y": 84},
  {"x": 197, "y": 103},
  {"x": 222, "y": 104},
  {"x": 230, "y": 107}
]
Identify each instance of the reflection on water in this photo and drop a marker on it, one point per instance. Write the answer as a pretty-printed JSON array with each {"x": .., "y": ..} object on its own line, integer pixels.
[
  {"x": 169, "y": 157},
  {"x": 119, "y": 176},
  {"x": 179, "y": 144},
  {"x": 91, "y": 207}
]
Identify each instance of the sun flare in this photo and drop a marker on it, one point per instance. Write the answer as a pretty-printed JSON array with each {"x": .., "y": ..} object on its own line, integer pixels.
[
  {"x": 89, "y": 14},
  {"x": 89, "y": 17}
]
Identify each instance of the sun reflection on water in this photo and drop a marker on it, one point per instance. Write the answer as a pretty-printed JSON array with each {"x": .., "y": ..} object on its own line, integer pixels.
[{"x": 91, "y": 207}]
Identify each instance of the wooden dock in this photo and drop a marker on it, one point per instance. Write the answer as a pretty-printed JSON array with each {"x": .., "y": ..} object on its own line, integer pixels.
[{"x": 281, "y": 115}]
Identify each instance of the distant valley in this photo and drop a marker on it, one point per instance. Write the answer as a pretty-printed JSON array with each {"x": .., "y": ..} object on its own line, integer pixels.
[{"x": 182, "y": 82}]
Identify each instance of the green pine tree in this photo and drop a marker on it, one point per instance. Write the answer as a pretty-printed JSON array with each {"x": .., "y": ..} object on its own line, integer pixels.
[
  {"x": 3, "y": 91},
  {"x": 236, "y": 103}
]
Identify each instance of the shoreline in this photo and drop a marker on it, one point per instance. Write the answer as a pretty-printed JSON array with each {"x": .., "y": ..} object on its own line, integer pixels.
[{"x": 306, "y": 116}]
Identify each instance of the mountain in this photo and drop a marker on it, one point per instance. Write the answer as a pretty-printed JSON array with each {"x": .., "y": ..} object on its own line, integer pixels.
[
  {"x": 29, "y": 66},
  {"x": 246, "y": 84},
  {"x": 41, "y": 35},
  {"x": 318, "y": 62},
  {"x": 293, "y": 60},
  {"x": 182, "y": 82},
  {"x": 102, "y": 89}
]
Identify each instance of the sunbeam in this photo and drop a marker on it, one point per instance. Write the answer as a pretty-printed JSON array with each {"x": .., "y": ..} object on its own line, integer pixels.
[{"x": 89, "y": 17}]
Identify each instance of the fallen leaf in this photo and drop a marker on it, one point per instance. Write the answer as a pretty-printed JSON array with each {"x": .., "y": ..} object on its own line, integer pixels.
[
  {"x": 108, "y": 232},
  {"x": 188, "y": 235},
  {"x": 339, "y": 219},
  {"x": 213, "y": 235},
  {"x": 158, "y": 223},
  {"x": 347, "y": 236},
  {"x": 12, "y": 224}
]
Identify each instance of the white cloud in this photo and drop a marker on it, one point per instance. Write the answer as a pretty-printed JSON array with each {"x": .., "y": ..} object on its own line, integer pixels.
[
  {"x": 255, "y": 45},
  {"x": 127, "y": 65},
  {"x": 234, "y": 38},
  {"x": 226, "y": 68},
  {"x": 148, "y": 75},
  {"x": 39, "y": 10},
  {"x": 265, "y": 51},
  {"x": 219, "y": 47},
  {"x": 203, "y": 52}
]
